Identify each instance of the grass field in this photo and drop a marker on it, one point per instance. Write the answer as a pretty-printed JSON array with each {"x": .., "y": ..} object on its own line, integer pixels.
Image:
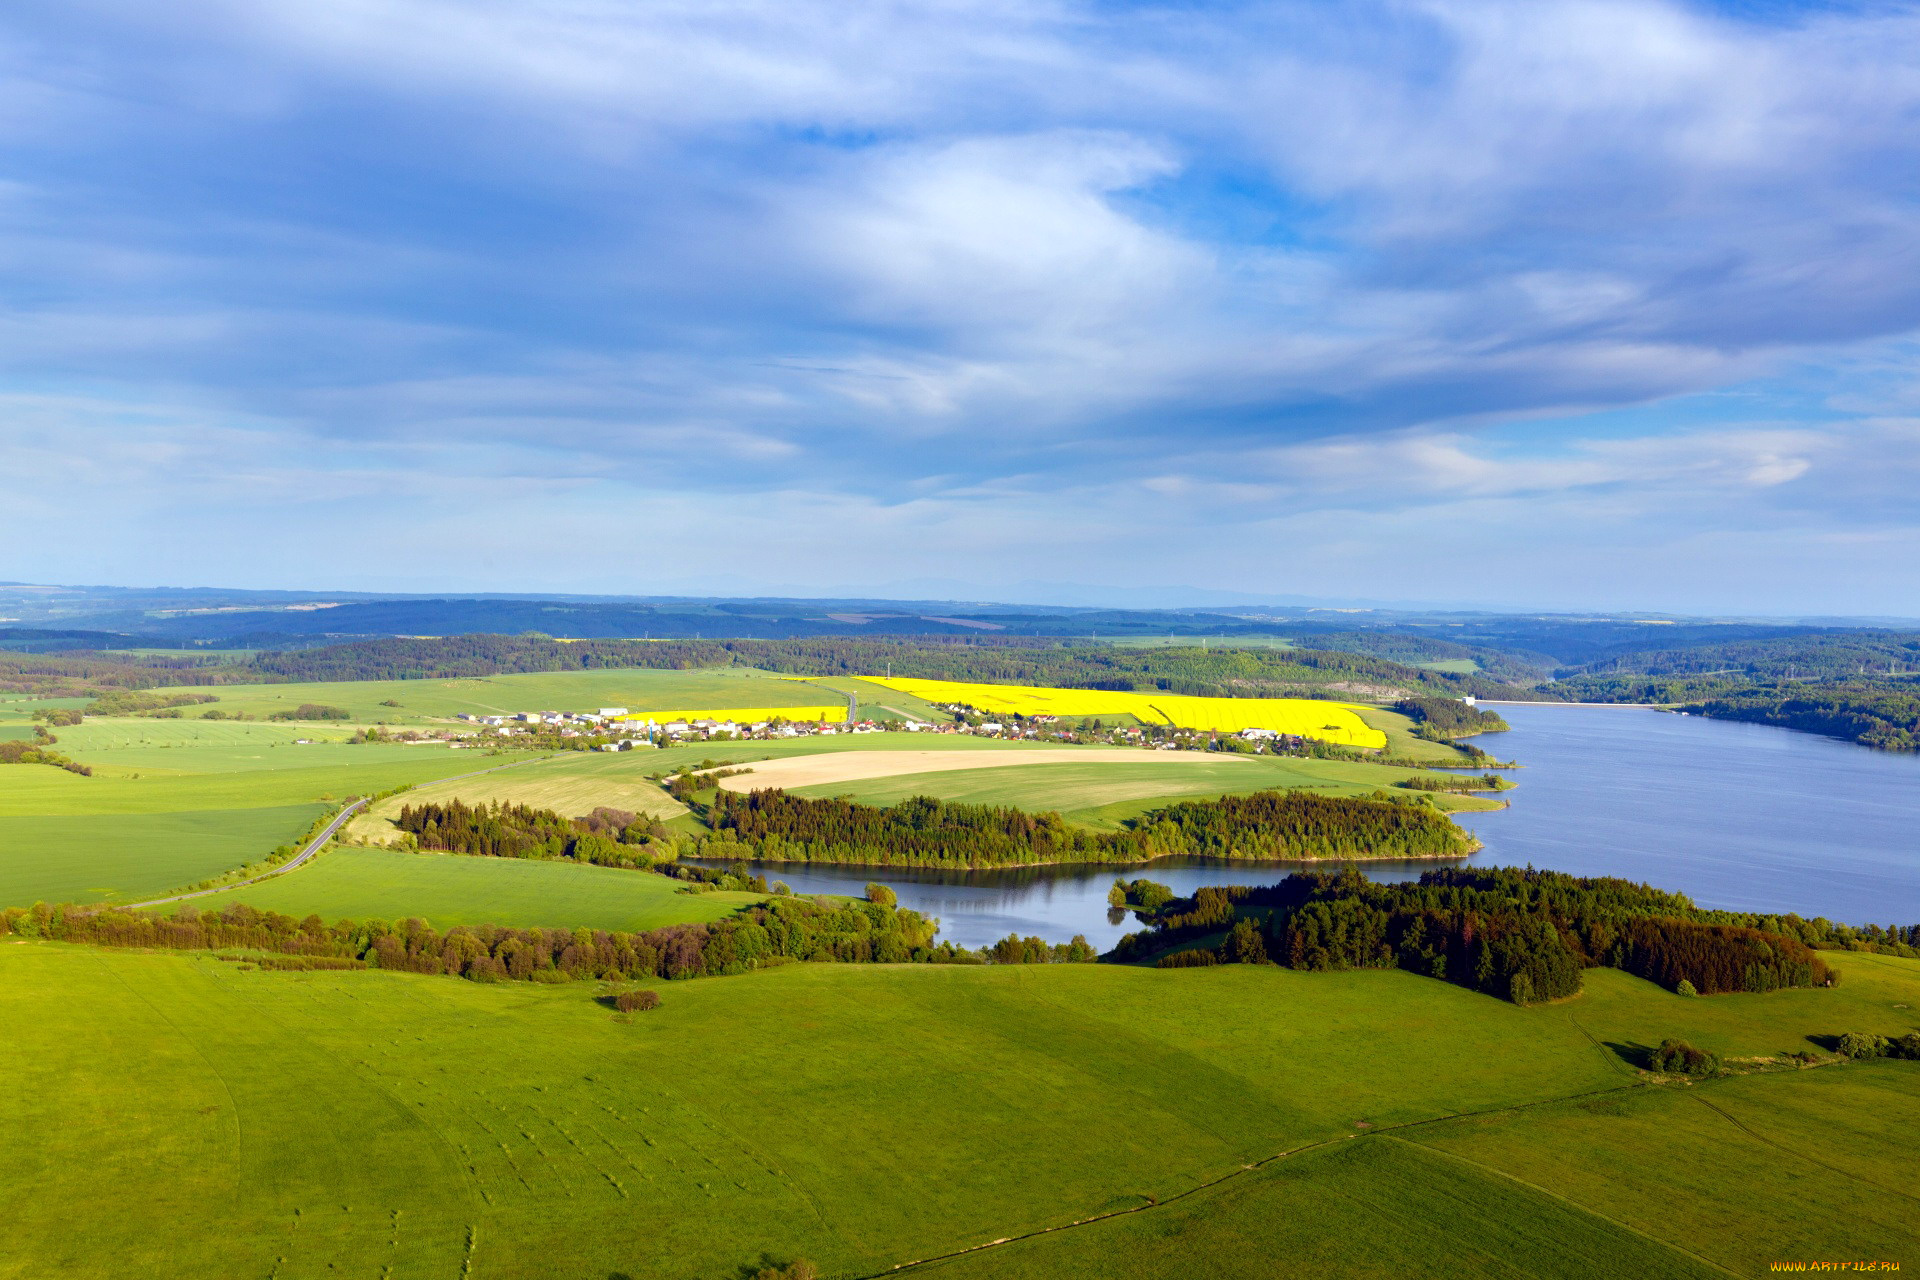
[
  {"x": 447, "y": 889},
  {"x": 173, "y": 802},
  {"x": 1103, "y": 795},
  {"x": 1305, "y": 717},
  {"x": 426, "y": 700},
  {"x": 571, "y": 783},
  {"x": 175, "y": 1116},
  {"x": 1403, "y": 745}
]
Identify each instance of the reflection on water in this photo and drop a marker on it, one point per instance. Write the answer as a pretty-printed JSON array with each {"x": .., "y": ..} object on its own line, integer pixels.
[{"x": 1741, "y": 816}]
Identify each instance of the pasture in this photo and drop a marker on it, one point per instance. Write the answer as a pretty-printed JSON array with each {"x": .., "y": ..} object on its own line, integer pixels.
[
  {"x": 173, "y": 802},
  {"x": 868, "y": 1116},
  {"x": 422, "y": 701},
  {"x": 449, "y": 889},
  {"x": 1104, "y": 794},
  {"x": 572, "y": 783},
  {"x": 1303, "y": 717}
]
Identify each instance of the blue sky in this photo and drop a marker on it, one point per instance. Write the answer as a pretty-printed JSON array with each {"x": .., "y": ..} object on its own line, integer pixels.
[{"x": 1544, "y": 304}]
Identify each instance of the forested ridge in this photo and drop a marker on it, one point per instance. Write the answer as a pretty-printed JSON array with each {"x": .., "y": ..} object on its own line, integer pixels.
[
  {"x": 1827, "y": 655},
  {"x": 1522, "y": 935}
]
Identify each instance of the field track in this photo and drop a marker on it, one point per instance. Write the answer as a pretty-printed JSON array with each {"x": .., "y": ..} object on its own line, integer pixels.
[
  {"x": 313, "y": 846},
  {"x": 852, "y": 766}
]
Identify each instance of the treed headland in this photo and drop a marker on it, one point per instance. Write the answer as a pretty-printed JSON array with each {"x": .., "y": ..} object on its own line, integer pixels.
[{"x": 776, "y": 826}]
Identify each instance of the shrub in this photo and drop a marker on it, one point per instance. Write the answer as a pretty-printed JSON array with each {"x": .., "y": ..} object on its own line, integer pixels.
[
  {"x": 800, "y": 1269},
  {"x": 1861, "y": 1044},
  {"x": 877, "y": 892},
  {"x": 1197, "y": 958},
  {"x": 1685, "y": 988},
  {"x": 636, "y": 1001},
  {"x": 1678, "y": 1058}
]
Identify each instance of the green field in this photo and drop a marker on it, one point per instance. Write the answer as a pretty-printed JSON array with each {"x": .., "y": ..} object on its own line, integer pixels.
[
  {"x": 448, "y": 889},
  {"x": 173, "y": 802},
  {"x": 176, "y": 1116},
  {"x": 422, "y": 701},
  {"x": 1402, "y": 744},
  {"x": 571, "y": 783},
  {"x": 1104, "y": 795}
]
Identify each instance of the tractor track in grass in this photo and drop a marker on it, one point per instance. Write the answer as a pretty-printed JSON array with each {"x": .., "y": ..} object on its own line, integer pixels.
[{"x": 1382, "y": 1131}]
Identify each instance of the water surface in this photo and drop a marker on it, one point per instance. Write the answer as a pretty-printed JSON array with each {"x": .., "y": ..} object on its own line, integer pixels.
[{"x": 1746, "y": 817}]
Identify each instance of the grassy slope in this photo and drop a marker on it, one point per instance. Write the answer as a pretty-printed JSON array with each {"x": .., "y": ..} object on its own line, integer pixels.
[
  {"x": 862, "y": 1116},
  {"x": 1402, "y": 744},
  {"x": 1103, "y": 795},
  {"x": 172, "y": 802},
  {"x": 571, "y": 783},
  {"x": 447, "y": 889},
  {"x": 424, "y": 700}
]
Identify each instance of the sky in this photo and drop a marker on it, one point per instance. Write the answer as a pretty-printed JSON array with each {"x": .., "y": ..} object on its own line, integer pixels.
[{"x": 1532, "y": 304}]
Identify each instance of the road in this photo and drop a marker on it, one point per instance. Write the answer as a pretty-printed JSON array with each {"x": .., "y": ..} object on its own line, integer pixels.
[{"x": 317, "y": 843}]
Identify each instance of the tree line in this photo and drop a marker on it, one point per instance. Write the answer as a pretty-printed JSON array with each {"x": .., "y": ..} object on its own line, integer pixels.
[
  {"x": 774, "y": 826},
  {"x": 39, "y": 750},
  {"x": 1519, "y": 934},
  {"x": 780, "y": 931}
]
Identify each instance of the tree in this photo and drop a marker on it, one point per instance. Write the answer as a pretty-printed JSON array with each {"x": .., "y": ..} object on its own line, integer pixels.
[
  {"x": 877, "y": 892},
  {"x": 1245, "y": 946},
  {"x": 1685, "y": 988}
]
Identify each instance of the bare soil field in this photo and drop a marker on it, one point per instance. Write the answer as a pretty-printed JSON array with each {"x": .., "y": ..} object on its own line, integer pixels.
[{"x": 852, "y": 766}]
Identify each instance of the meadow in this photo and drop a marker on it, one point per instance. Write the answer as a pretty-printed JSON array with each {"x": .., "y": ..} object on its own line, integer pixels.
[
  {"x": 1333, "y": 722},
  {"x": 1104, "y": 795},
  {"x": 448, "y": 889},
  {"x": 179, "y": 1116},
  {"x": 173, "y": 802},
  {"x": 572, "y": 783}
]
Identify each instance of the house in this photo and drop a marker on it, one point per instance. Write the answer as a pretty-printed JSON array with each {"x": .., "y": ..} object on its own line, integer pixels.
[{"x": 608, "y": 713}]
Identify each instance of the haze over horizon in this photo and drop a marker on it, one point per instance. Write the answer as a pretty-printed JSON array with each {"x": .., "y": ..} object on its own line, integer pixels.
[{"x": 1536, "y": 305}]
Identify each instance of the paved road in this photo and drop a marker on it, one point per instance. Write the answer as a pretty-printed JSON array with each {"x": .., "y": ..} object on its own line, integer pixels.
[
  {"x": 313, "y": 847},
  {"x": 318, "y": 842}
]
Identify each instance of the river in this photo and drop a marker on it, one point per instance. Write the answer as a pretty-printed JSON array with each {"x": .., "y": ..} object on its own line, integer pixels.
[{"x": 1746, "y": 817}]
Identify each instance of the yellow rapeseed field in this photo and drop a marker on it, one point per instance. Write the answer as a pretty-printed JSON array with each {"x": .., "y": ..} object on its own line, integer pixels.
[
  {"x": 747, "y": 715},
  {"x": 1304, "y": 717}
]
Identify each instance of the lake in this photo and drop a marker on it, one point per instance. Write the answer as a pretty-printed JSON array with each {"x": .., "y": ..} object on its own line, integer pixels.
[{"x": 1745, "y": 817}]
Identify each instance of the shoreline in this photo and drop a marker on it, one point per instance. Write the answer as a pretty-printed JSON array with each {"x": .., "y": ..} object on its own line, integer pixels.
[{"x": 1478, "y": 845}]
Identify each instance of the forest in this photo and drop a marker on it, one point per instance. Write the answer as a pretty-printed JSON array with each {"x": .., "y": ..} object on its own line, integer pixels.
[
  {"x": 606, "y": 837},
  {"x": 1444, "y": 719},
  {"x": 1217, "y": 672},
  {"x": 1830, "y": 655},
  {"x": 775, "y": 826},
  {"x": 1521, "y": 935}
]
